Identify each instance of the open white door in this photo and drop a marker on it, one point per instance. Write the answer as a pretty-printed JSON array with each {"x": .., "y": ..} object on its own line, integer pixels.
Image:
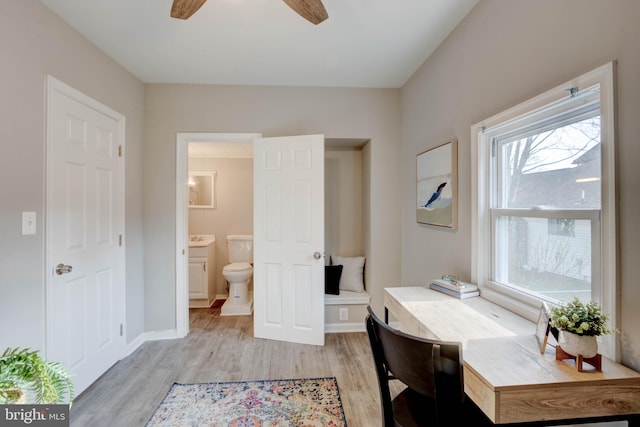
[
  {"x": 85, "y": 288},
  {"x": 288, "y": 278}
]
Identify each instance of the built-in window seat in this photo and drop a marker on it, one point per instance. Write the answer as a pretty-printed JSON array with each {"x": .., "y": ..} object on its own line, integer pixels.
[{"x": 345, "y": 312}]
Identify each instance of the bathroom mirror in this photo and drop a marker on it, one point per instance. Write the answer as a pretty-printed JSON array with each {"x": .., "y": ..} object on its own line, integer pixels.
[{"x": 202, "y": 190}]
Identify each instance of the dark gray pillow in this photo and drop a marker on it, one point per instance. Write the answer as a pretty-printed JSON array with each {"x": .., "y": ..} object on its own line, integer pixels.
[{"x": 332, "y": 274}]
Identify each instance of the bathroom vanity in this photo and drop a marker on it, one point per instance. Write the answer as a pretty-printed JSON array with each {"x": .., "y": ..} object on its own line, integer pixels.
[{"x": 202, "y": 270}]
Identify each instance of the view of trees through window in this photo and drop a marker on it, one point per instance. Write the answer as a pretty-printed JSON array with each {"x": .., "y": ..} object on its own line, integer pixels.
[{"x": 547, "y": 195}]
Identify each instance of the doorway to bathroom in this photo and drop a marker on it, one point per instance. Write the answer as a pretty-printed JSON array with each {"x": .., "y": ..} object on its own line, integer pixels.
[
  {"x": 227, "y": 168},
  {"x": 197, "y": 155},
  {"x": 346, "y": 188}
]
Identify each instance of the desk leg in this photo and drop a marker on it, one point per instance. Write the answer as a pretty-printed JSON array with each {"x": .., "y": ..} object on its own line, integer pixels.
[{"x": 386, "y": 315}]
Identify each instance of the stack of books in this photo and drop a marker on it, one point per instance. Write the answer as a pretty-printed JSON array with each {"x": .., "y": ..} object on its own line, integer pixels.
[{"x": 455, "y": 288}]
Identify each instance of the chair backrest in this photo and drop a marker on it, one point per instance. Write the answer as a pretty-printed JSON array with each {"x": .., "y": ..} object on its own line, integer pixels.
[{"x": 432, "y": 368}]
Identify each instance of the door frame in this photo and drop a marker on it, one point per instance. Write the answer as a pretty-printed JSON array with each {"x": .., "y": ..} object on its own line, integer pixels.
[
  {"x": 182, "y": 215},
  {"x": 53, "y": 85}
]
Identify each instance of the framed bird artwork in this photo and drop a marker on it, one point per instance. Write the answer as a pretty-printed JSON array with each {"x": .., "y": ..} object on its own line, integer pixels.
[{"x": 437, "y": 185}]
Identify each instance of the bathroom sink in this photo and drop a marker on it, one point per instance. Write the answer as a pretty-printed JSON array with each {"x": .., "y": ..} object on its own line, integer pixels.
[{"x": 201, "y": 240}]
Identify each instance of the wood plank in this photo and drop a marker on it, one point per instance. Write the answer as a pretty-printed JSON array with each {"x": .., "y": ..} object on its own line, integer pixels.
[
  {"x": 505, "y": 374},
  {"x": 481, "y": 393},
  {"x": 567, "y": 402},
  {"x": 224, "y": 349}
]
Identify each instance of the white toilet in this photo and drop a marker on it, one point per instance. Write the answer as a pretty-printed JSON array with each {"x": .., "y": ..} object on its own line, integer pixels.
[{"x": 238, "y": 274}]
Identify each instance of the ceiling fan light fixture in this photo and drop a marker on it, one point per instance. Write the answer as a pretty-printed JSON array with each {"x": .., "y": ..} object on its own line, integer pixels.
[
  {"x": 311, "y": 10},
  {"x": 183, "y": 9}
]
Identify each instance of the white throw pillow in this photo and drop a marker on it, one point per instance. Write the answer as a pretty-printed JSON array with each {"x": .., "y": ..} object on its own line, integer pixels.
[{"x": 352, "y": 272}]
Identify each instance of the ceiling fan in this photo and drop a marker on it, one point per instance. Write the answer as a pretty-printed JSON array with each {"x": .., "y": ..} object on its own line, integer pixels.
[{"x": 311, "y": 10}]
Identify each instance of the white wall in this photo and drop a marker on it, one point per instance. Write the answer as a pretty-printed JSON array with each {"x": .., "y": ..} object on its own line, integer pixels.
[
  {"x": 503, "y": 53},
  {"x": 365, "y": 114},
  {"x": 34, "y": 42}
]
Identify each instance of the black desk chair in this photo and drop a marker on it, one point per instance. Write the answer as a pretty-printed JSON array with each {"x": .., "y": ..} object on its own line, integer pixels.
[{"x": 432, "y": 372}]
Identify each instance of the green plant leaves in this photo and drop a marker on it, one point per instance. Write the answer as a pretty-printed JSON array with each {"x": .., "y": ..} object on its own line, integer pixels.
[
  {"x": 41, "y": 380},
  {"x": 580, "y": 318}
]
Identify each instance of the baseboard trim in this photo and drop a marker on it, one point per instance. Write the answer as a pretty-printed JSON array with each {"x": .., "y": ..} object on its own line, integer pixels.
[
  {"x": 149, "y": 336},
  {"x": 134, "y": 344},
  {"x": 337, "y": 328},
  {"x": 329, "y": 328},
  {"x": 169, "y": 334}
]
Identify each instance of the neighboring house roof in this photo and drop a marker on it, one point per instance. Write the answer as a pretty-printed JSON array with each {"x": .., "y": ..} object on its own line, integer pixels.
[{"x": 561, "y": 188}]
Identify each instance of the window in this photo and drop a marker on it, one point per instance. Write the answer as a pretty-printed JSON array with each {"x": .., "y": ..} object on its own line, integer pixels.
[{"x": 544, "y": 220}]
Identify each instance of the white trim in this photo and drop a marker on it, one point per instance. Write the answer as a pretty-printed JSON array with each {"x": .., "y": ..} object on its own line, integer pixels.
[
  {"x": 338, "y": 328},
  {"x": 169, "y": 334},
  {"x": 182, "y": 217},
  {"x": 610, "y": 294},
  {"x": 347, "y": 298},
  {"x": 182, "y": 237},
  {"x": 135, "y": 344},
  {"x": 480, "y": 219},
  {"x": 144, "y": 337}
]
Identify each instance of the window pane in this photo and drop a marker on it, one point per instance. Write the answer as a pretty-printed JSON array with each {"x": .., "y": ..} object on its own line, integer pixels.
[
  {"x": 555, "y": 169},
  {"x": 546, "y": 256}
]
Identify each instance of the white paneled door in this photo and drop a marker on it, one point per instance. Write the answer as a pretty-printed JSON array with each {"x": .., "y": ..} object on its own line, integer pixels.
[
  {"x": 84, "y": 229},
  {"x": 289, "y": 239}
]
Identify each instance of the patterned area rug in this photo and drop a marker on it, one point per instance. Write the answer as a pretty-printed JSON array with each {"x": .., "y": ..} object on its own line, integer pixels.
[{"x": 295, "y": 402}]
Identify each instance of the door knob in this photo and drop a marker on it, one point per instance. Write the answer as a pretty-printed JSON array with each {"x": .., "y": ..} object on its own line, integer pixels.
[
  {"x": 61, "y": 269},
  {"x": 317, "y": 255}
]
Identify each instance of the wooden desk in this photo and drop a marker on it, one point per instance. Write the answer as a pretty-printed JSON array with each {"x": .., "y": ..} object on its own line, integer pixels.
[{"x": 505, "y": 374}]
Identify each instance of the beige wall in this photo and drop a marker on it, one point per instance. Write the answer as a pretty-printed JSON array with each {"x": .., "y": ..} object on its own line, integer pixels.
[
  {"x": 366, "y": 114},
  {"x": 234, "y": 204},
  {"x": 234, "y": 207},
  {"x": 34, "y": 42},
  {"x": 503, "y": 53},
  {"x": 343, "y": 202}
]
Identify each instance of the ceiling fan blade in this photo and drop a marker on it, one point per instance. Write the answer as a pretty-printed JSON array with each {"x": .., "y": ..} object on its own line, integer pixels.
[
  {"x": 311, "y": 10},
  {"x": 183, "y": 9}
]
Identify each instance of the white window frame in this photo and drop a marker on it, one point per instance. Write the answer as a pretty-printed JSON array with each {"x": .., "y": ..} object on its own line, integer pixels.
[{"x": 524, "y": 304}]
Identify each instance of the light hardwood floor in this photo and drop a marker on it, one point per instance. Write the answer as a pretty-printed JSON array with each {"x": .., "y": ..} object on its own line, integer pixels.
[{"x": 223, "y": 349}]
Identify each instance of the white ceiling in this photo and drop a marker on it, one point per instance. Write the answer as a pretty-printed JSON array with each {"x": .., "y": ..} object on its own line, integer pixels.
[{"x": 364, "y": 43}]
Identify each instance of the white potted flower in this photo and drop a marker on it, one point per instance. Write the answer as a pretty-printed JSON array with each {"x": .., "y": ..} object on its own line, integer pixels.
[{"x": 579, "y": 324}]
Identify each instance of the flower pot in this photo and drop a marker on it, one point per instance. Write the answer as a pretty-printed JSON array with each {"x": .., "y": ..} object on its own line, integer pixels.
[
  {"x": 16, "y": 396},
  {"x": 574, "y": 344}
]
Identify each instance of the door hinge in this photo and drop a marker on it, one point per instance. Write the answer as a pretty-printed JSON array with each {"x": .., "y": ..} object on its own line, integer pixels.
[
  {"x": 119, "y": 150},
  {"x": 204, "y": 266},
  {"x": 121, "y": 329},
  {"x": 120, "y": 240}
]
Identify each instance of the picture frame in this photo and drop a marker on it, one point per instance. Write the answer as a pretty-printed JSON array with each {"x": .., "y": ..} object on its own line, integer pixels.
[
  {"x": 437, "y": 185},
  {"x": 543, "y": 327}
]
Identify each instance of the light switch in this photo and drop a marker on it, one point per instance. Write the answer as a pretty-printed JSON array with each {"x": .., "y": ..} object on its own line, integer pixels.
[{"x": 28, "y": 223}]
